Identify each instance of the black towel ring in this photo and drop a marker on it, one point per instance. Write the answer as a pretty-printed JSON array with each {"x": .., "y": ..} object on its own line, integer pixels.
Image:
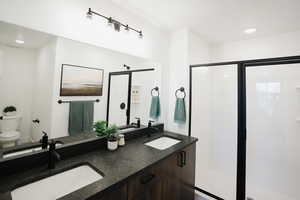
[
  {"x": 180, "y": 90},
  {"x": 155, "y": 89}
]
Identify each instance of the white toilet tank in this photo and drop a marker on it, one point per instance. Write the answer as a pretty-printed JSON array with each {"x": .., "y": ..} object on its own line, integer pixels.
[{"x": 9, "y": 123}]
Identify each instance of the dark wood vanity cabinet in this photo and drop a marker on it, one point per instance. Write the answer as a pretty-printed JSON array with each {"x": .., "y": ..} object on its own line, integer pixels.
[{"x": 169, "y": 179}]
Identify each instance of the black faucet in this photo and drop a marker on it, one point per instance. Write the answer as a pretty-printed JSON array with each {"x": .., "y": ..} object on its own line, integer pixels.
[
  {"x": 138, "y": 122},
  {"x": 44, "y": 140},
  {"x": 151, "y": 129},
  {"x": 53, "y": 156}
]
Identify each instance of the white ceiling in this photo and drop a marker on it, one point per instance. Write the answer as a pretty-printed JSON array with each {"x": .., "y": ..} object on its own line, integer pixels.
[
  {"x": 220, "y": 20},
  {"x": 9, "y": 33}
]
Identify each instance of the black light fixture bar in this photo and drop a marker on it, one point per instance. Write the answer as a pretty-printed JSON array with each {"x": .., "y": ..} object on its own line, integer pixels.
[{"x": 90, "y": 13}]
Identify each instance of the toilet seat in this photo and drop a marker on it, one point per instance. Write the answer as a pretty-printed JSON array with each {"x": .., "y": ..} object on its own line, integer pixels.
[{"x": 9, "y": 136}]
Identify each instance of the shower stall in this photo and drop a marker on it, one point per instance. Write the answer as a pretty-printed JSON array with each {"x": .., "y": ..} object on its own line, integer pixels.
[{"x": 246, "y": 115}]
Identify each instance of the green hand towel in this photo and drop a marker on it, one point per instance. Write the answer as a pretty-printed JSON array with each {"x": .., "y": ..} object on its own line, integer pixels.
[
  {"x": 180, "y": 113},
  {"x": 75, "y": 118},
  {"x": 81, "y": 117},
  {"x": 155, "y": 107},
  {"x": 88, "y": 116}
]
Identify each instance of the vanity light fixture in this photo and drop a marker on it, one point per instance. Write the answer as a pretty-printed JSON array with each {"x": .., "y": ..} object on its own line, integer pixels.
[{"x": 112, "y": 22}]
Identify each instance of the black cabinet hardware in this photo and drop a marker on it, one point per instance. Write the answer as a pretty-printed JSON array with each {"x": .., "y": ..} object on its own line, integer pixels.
[
  {"x": 36, "y": 121},
  {"x": 147, "y": 178},
  {"x": 181, "y": 160}
]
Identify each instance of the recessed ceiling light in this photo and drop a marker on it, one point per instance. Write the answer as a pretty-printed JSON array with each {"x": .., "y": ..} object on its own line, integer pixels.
[
  {"x": 20, "y": 41},
  {"x": 250, "y": 30}
]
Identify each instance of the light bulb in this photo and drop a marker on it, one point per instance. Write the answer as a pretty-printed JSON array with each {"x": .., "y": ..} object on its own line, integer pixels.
[
  {"x": 250, "y": 30},
  {"x": 110, "y": 21},
  {"x": 20, "y": 41},
  {"x": 141, "y": 35},
  {"x": 89, "y": 14}
]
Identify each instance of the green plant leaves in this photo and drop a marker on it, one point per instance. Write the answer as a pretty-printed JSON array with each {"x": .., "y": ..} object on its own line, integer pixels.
[{"x": 109, "y": 131}]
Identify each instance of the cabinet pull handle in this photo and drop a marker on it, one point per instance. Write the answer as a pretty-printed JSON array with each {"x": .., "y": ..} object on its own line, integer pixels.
[
  {"x": 146, "y": 179},
  {"x": 181, "y": 161},
  {"x": 184, "y": 158},
  {"x": 36, "y": 121}
]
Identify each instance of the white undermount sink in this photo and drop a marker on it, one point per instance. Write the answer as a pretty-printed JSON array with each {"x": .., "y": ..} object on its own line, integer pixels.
[
  {"x": 59, "y": 185},
  {"x": 162, "y": 143}
]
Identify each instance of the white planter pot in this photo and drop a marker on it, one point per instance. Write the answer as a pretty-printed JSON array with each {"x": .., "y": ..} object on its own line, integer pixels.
[{"x": 112, "y": 145}]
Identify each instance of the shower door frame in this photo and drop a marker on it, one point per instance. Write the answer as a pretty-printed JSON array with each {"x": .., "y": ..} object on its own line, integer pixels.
[
  {"x": 129, "y": 74},
  {"x": 241, "y": 112}
]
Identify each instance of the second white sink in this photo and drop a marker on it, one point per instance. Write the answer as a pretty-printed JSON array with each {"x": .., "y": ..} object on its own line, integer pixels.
[
  {"x": 162, "y": 143},
  {"x": 58, "y": 185}
]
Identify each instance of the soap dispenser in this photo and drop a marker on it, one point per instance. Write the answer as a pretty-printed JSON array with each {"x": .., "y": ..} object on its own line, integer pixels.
[{"x": 44, "y": 140}]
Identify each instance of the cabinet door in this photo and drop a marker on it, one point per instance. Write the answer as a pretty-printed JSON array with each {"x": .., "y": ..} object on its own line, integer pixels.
[
  {"x": 146, "y": 186},
  {"x": 120, "y": 193},
  {"x": 171, "y": 178},
  {"x": 187, "y": 172},
  {"x": 179, "y": 175}
]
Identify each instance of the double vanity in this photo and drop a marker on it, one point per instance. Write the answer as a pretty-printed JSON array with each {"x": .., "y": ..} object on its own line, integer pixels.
[{"x": 157, "y": 166}]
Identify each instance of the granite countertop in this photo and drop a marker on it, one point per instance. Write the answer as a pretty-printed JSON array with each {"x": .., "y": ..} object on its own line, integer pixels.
[{"x": 116, "y": 166}]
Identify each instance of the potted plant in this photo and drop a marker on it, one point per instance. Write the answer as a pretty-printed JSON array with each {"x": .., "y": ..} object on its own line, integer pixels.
[
  {"x": 9, "y": 111},
  {"x": 100, "y": 127},
  {"x": 112, "y": 137}
]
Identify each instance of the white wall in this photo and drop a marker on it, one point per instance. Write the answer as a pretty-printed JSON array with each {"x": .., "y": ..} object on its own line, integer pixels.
[
  {"x": 73, "y": 52},
  {"x": 199, "y": 49},
  {"x": 177, "y": 74},
  {"x": 1, "y": 62},
  {"x": 16, "y": 83},
  {"x": 287, "y": 44},
  {"x": 43, "y": 89},
  {"x": 186, "y": 48}
]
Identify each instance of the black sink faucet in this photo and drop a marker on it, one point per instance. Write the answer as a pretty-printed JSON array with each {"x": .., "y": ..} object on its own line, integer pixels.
[
  {"x": 53, "y": 156},
  {"x": 151, "y": 129},
  {"x": 138, "y": 122}
]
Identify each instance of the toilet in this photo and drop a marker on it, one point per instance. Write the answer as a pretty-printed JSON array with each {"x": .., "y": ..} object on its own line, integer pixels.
[{"x": 9, "y": 130}]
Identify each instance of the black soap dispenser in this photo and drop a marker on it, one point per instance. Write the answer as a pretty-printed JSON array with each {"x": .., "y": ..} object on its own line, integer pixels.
[
  {"x": 44, "y": 140},
  {"x": 138, "y": 123}
]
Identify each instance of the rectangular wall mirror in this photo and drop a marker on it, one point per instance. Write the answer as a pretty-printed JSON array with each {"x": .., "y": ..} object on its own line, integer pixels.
[{"x": 50, "y": 84}]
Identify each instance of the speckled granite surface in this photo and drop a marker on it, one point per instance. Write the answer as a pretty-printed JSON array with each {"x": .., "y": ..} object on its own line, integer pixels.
[{"x": 116, "y": 166}]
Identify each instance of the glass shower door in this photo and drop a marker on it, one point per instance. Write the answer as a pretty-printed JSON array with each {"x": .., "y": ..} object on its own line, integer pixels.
[
  {"x": 273, "y": 132},
  {"x": 118, "y": 104},
  {"x": 214, "y": 122}
]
